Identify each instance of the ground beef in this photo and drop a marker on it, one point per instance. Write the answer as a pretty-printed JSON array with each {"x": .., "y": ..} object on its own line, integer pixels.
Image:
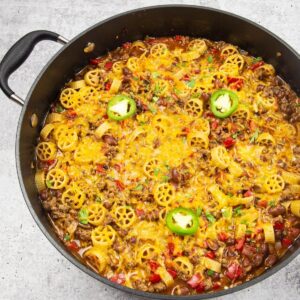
[{"x": 83, "y": 234}]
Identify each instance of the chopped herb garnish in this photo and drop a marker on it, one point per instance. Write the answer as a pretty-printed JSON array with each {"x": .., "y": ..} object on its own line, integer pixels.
[
  {"x": 135, "y": 78},
  {"x": 226, "y": 212},
  {"x": 199, "y": 211},
  {"x": 248, "y": 231},
  {"x": 165, "y": 178},
  {"x": 191, "y": 83},
  {"x": 244, "y": 222},
  {"x": 230, "y": 195},
  {"x": 156, "y": 172},
  {"x": 272, "y": 203},
  {"x": 83, "y": 216},
  {"x": 155, "y": 99},
  {"x": 210, "y": 272},
  {"x": 257, "y": 59},
  {"x": 139, "y": 187},
  {"x": 210, "y": 217},
  {"x": 254, "y": 136},
  {"x": 98, "y": 199},
  {"x": 237, "y": 211},
  {"x": 177, "y": 91},
  {"x": 155, "y": 74},
  {"x": 67, "y": 237},
  {"x": 49, "y": 183},
  {"x": 152, "y": 109},
  {"x": 210, "y": 59},
  {"x": 59, "y": 108}
]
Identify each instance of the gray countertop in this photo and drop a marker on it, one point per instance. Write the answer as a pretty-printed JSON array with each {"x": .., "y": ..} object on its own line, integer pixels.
[{"x": 30, "y": 267}]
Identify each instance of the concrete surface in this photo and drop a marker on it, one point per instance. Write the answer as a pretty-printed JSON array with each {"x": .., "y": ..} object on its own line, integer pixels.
[{"x": 30, "y": 267}]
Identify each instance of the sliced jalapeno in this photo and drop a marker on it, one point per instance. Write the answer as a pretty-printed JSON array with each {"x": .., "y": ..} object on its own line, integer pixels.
[
  {"x": 182, "y": 221},
  {"x": 224, "y": 103},
  {"x": 121, "y": 107}
]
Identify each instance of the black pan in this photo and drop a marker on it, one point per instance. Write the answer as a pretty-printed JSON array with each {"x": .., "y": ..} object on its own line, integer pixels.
[{"x": 154, "y": 21}]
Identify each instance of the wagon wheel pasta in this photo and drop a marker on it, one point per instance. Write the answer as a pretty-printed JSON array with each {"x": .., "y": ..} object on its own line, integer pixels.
[{"x": 172, "y": 164}]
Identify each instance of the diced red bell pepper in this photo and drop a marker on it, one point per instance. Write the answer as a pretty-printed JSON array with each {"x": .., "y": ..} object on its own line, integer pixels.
[
  {"x": 215, "y": 51},
  {"x": 186, "y": 77},
  {"x": 235, "y": 83},
  {"x": 71, "y": 114},
  {"x": 178, "y": 38},
  {"x": 154, "y": 278},
  {"x": 195, "y": 281},
  {"x": 120, "y": 185},
  {"x": 210, "y": 254},
  {"x": 73, "y": 246},
  {"x": 139, "y": 212},
  {"x": 108, "y": 65},
  {"x": 249, "y": 193},
  {"x": 153, "y": 265},
  {"x": 172, "y": 272},
  {"x": 100, "y": 169},
  {"x": 171, "y": 248},
  {"x": 117, "y": 167},
  {"x": 95, "y": 61},
  {"x": 229, "y": 142},
  {"x": 234, "y": 271},
  {"x": 252, "y": 125},
  {"x": 286, "y": 242},
  {"x": 262, "y": 203},
  {"x": 240, "y": 244},
  {"x": 50, "y": 162},
  {"x": 216, "y": 286},
  {"x": 118, "y": 278},
  {"x": 256, "y": 65},
  {"x": 278, "y": 225},
  {"x": 200, "y": 288},
  {"x": 186, "y": 130},
  {"x": 107, "y": 86},
  {"x": 214, "y": 124},
  {"x": 126, "y": 45},
  {"x": 222, "y": 236}
]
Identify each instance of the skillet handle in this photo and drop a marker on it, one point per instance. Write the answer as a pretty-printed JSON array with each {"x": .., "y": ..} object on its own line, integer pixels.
[{"x": 18, "y": 53}]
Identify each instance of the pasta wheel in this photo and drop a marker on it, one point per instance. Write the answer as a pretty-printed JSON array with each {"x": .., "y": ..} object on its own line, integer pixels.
[
  {"x": 54, "y": 117},
  {"x": 150, "y": 166},
  {"x": 229, "y": 69},
  {"x": 235, "y": 59},
  {"x": 67, "y": 141},
  {"x": 46, "y": 151},
  {"x": 56, "y": 179},
  {"x": 198, "y": 45},
  {"x": 295, "y": 207},
  {"x": 92, "y": 77},
  {"x": 86, "y": 95},
  {"x": 183, "y": 264},
  {"x": 118, "y": 67},
  {"x": 161, "y": 87},
  {"x": 220, "y": 76},
  {"x": 45, "y": 132},
  {"x": 274, "y": 184},
  {"x": 97, "y": 213},
  {"x": 103, "y": 236},
  {"x": 198, "y": 140},
  {"x": 76, "y": 85},
  {"x": 228, "y": 51},
  {"x": 164, "y": 194},
  {"x": 242, "y": 113},
  {"x": 159, "y": 50},
  {"x": 147, "y": 252},
  {"x": 39, "y": 179},
  {"x": 202, "y": 125},
  {"x": 194, "y": 107},
  {"x": 267, "y": 102},
  {"x": 74, "y": 196},
  {"x": 68, "y": 97},
  {"x": 125, "y": 216},
  {"x": 285, "y": 130},
  {"x": 266, "y": 139},
  {"x": 97, "y": 258},
  {"x": 190, "y": 55},
  {"x": 133, "y": 64},
  {"x": 220, "y": 157},
  {"x": 268, "y": 70}
]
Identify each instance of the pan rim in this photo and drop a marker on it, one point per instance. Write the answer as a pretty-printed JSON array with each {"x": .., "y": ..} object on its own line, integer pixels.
[{"x": 60, "y": 247}]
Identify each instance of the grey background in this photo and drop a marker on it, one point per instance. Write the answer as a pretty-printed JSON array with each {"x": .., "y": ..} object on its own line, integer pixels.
[{"x": 30, "y": 267}]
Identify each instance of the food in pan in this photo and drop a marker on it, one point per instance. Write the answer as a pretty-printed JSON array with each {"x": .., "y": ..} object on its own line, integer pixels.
[{"x": 171, "y": 165}]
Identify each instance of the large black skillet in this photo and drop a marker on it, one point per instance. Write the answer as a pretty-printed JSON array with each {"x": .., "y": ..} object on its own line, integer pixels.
[{"x": 154, "y": 21}]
